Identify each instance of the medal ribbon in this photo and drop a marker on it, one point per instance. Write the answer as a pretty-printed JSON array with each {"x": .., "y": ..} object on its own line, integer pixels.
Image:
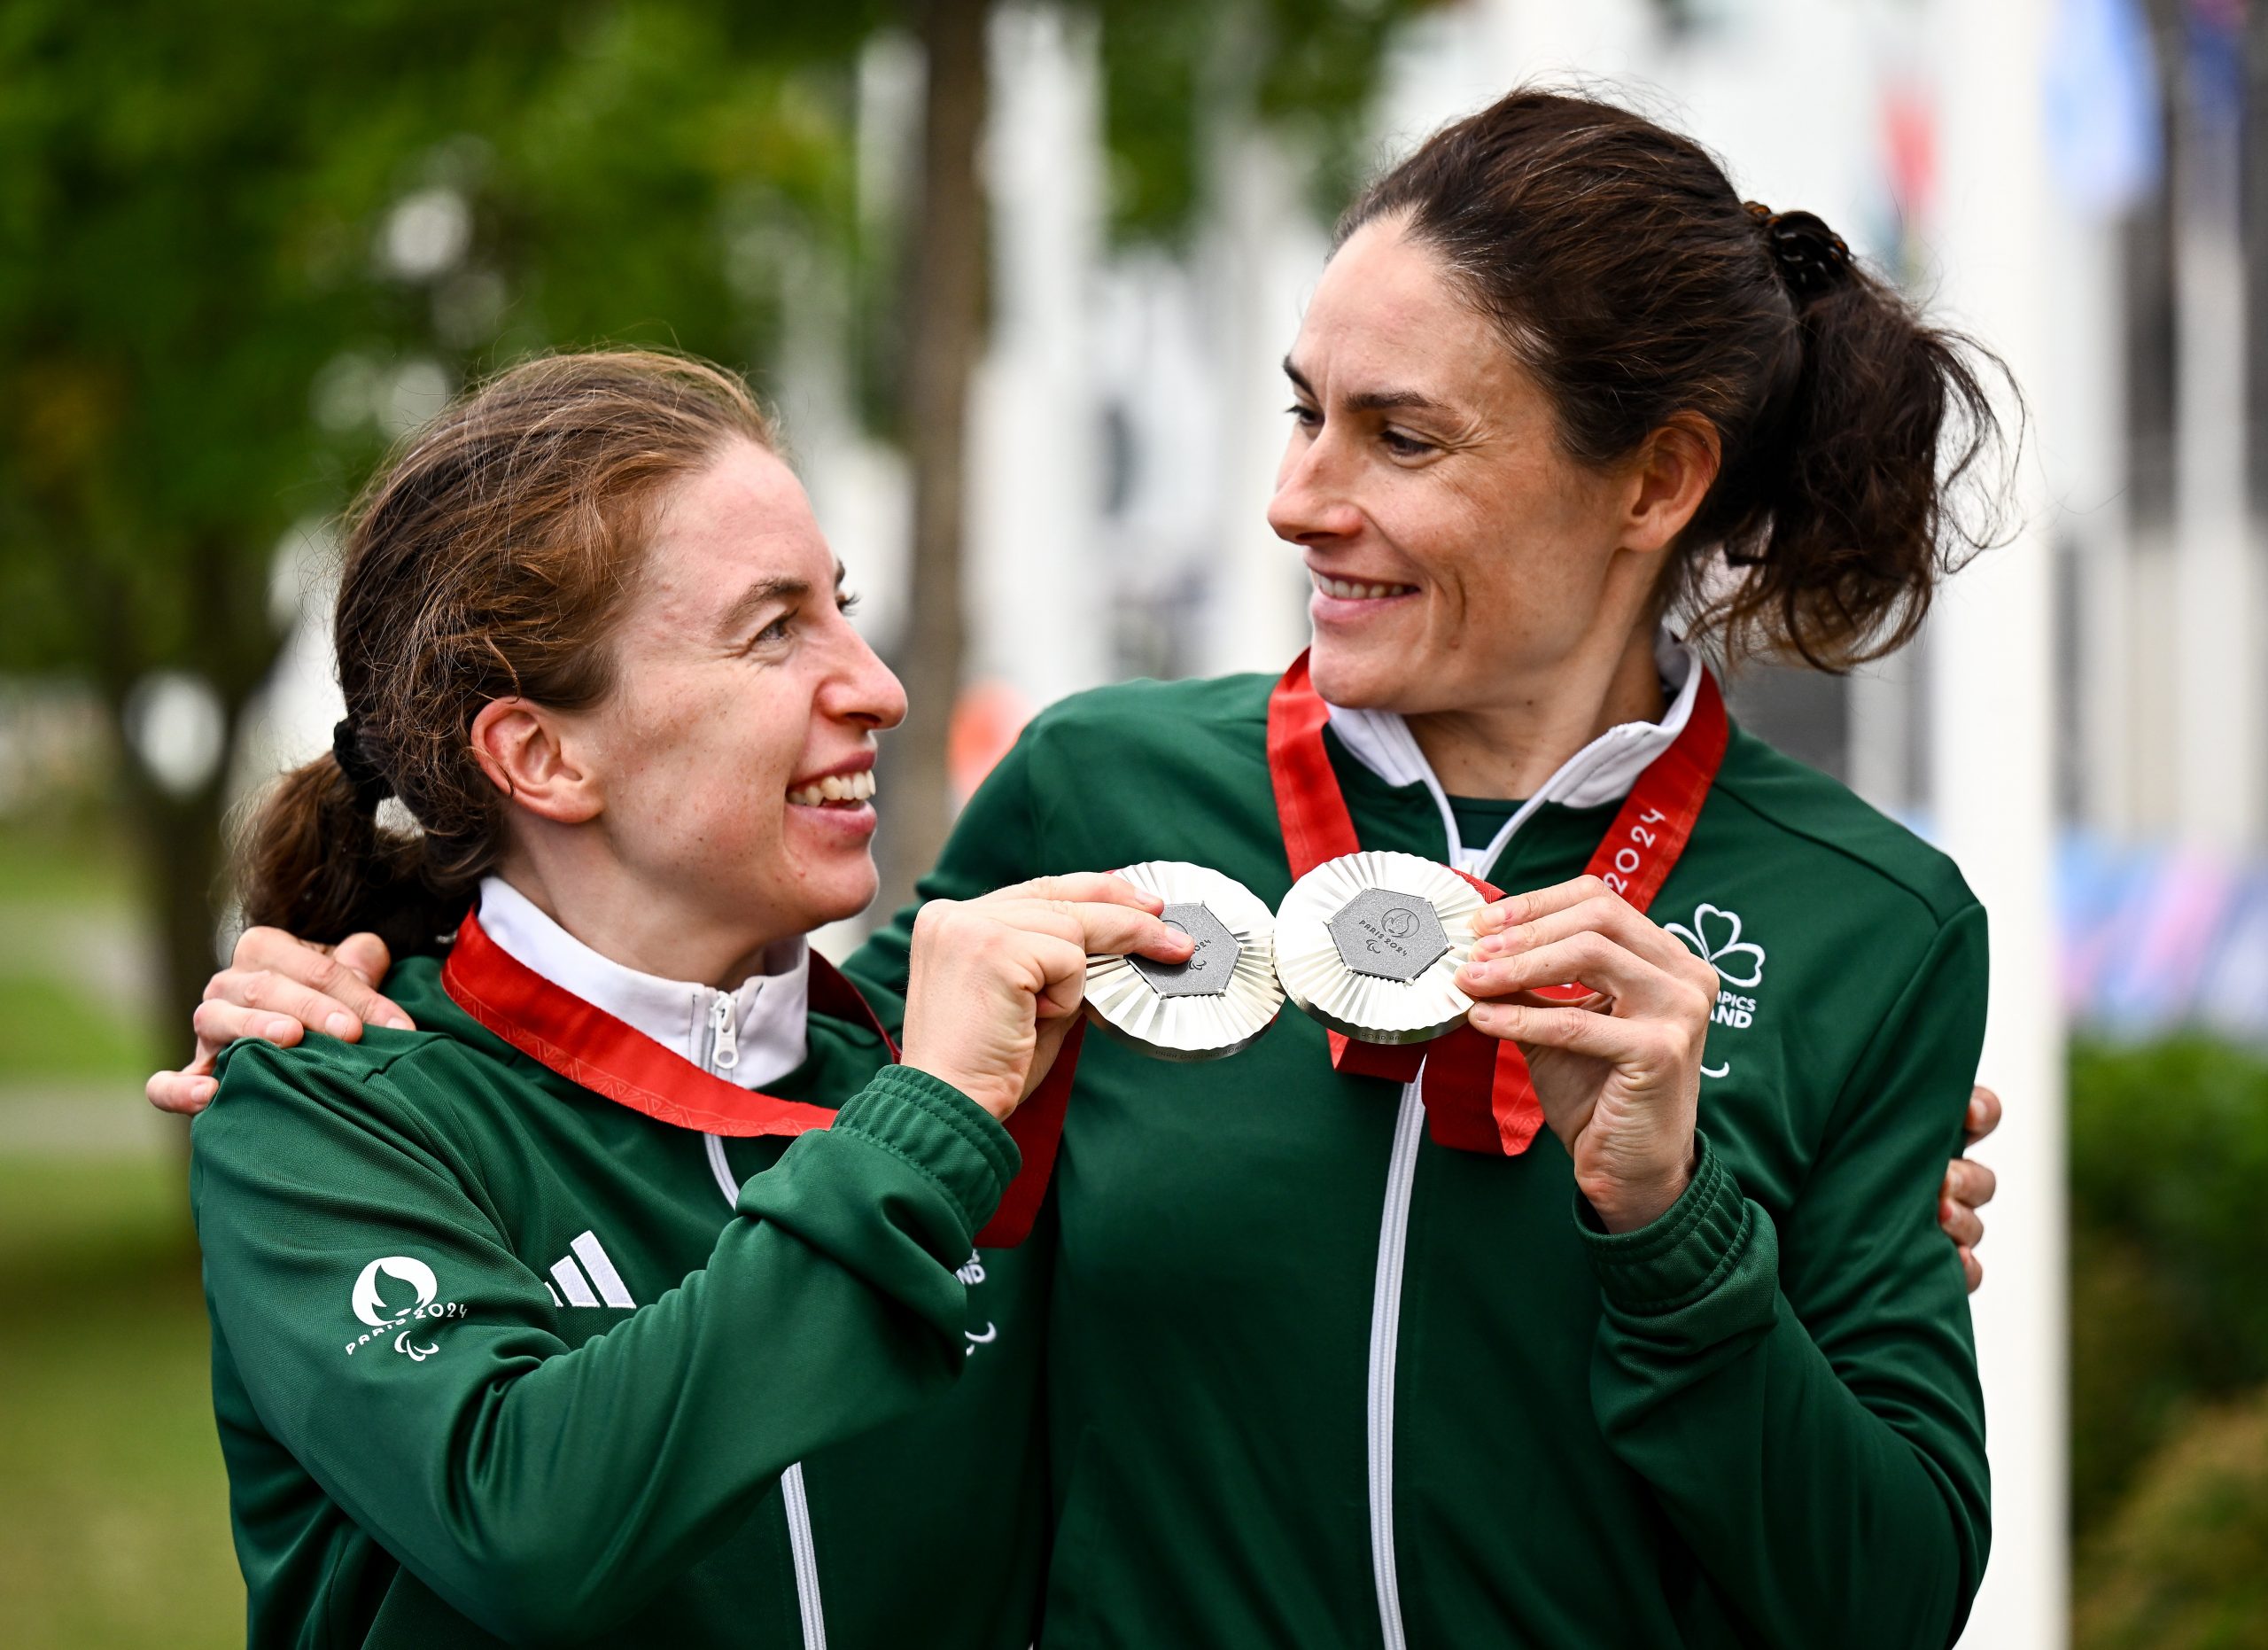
[
  {"x": 611, "y": 1058},
  {"x": 1476, "y": 1089}
]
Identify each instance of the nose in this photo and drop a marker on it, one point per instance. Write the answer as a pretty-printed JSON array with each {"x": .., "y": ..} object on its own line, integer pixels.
[
  {"x": 1312, "y": 504},
  {"x": 862, "y": 689}
]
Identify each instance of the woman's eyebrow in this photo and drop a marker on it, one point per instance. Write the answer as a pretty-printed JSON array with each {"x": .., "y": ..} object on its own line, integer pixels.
[
  {"x": 1370, "y": 401},
  {"x": 761, "y": 595}
]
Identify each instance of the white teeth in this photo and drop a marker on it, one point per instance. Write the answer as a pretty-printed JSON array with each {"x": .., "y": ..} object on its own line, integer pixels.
[
  {"x": 838, "y": 788},
  {"x": 1346, "y": 591}
]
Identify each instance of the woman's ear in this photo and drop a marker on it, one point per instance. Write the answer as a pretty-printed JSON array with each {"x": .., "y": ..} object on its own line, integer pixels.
[
  {"x": 523, "y": 750},
  {"x": 1673, "y": 474}
]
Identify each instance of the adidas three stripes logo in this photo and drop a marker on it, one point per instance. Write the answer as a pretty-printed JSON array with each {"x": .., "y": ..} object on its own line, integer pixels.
[{"x": 571, "y": 1285}]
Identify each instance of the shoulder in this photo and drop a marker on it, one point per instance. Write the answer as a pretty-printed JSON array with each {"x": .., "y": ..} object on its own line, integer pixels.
[
  {"x": 378, "y": 1086},
  {"x": 1811, "y": 825},
  {"x": 1133, "y": 715},
  {"x": 404, "y": 1086},
  {"x": 1136, "y": 736}
]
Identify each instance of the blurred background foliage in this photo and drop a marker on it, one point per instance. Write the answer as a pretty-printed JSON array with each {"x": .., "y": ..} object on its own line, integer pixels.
[
  {"x": 243, "y": 245},
  {"x": 2169, "y": 1157}
]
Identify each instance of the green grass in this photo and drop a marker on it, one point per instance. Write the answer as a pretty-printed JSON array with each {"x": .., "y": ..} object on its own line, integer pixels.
[
  {"x": 113, "y": 1513},
  {"x": 56, "y": 1028},
  {"x": 65, "y": 861}
]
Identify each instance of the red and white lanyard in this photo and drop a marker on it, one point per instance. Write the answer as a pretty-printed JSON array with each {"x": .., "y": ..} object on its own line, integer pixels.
[
  {"x": 594, "y": 1050},
  {"x": 1476, "y": 1090}
]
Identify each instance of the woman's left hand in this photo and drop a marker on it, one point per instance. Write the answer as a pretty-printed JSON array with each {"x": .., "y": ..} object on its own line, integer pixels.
[{"x": 1618, "y": 1074}]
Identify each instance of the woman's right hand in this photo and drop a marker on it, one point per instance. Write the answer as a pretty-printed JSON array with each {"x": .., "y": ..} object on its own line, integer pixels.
[
  {"x": 277, "y": 988},
  {"x": 996, "y": 982}
]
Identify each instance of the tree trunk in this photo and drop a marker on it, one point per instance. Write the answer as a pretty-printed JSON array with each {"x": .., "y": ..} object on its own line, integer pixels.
[
  {"x": 946, "y": 272},
  {"x": 183, "y": 860}
]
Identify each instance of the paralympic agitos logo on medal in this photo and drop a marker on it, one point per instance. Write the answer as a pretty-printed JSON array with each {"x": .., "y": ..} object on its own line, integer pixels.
[{"x": 406, "y": 1322}]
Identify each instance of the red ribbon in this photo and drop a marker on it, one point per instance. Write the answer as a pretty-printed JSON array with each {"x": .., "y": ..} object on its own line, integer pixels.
[
  {"x": 1476, "y": 1089},
  {"x": 594, "y": 1050}
]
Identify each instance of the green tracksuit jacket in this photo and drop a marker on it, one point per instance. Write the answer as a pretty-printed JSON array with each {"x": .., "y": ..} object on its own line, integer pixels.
[
  {"x": 1316, "y": 1381},
  {"x": 428, "y": 1445}
]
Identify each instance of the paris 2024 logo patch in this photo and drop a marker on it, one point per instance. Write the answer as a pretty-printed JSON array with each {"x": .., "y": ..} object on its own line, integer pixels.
[{"x": 376, "y": 1305}]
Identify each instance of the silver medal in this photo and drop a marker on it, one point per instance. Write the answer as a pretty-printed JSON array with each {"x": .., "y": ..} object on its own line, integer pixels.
[
  {"x": 1215, "y": 1003},
  {"x": 1370, "y": 943}
]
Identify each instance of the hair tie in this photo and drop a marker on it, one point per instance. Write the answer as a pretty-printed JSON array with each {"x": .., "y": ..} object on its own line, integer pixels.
[
  {"x": 371, "y": 787},
  {"x": 1812, "y": 259}
]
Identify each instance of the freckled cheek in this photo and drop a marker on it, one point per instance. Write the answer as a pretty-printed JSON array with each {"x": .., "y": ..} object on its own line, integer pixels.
[{"x": 1461, "y": 551}]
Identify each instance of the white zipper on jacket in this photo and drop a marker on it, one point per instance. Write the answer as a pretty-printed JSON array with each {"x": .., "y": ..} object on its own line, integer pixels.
[
  {"x": 802, "y": 1550},
  {"x": 1394, "y": 1220},
  {"x": 1386, "y": 1331},
  {"x": 724, "y": 1040}
]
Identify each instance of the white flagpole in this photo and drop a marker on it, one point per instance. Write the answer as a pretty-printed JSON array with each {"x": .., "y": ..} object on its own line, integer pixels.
[{"x": 1990, "y": 649}]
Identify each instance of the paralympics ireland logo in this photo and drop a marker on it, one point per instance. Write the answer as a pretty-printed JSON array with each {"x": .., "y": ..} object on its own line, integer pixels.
[
  {"x": 423, "y": 1313},
  {"x": 1715, "y": 938}
]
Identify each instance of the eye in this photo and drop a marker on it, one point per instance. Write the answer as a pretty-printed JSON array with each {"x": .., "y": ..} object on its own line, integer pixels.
[
  {"x": 846, "y": 602},
  {"x": 1307, "y": 417},
  {"x": 777, "y": 630},
  {"x": 1404, "y": 445}
]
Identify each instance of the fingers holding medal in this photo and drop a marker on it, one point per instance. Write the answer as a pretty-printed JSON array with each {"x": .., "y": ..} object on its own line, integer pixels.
[
  {"x": 1580, "y": 944},
  {"x": 1618, "y": 1074},
  {"x": 1216, "y": 1003}
]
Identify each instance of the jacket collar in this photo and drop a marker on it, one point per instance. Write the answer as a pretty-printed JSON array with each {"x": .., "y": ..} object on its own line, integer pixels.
[
  {"x": 769, "y": 1011},
  {"x": 1603, "y": 770}
]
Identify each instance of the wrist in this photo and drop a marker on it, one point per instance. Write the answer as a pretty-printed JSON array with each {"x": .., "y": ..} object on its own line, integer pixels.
[
  {"x": 1626, "y": 1205},
  {"x": 997, "y": 1102}
]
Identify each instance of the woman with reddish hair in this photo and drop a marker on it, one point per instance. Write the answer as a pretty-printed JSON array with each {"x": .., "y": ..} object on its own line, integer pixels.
[{"x": 634, "y": 1292}]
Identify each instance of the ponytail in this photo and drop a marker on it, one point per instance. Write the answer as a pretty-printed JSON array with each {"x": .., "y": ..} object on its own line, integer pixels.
[{"x": 317, "y": 863}]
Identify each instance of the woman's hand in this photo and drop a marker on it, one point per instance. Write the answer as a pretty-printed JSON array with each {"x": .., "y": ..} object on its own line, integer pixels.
[
  {"x": 1619, "y": 1074},
  {"x": 276, "y": 988},
  {"x": 995, "y": 983},
  {"x": 1969, "y": 1186}
]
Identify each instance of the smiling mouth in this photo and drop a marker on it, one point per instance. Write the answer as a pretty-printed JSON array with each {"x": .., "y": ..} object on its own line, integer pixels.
[
  {"x": 841, "y": 790},
  {"x": 1347, "y": 590}
]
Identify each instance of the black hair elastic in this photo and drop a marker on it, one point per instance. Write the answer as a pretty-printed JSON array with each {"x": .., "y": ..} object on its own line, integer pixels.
[
  {"x": 1812, "y": 259},
  {"x": 371, "y": 787}
]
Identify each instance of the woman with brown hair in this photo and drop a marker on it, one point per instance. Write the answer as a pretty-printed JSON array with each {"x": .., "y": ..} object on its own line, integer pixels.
[
  {"x": 634, "y": 1292},
  {"x": 1636, "y": 1328}
]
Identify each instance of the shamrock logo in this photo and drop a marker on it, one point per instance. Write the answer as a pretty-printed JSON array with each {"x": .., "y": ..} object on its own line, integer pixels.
[{"x": 1715, "y": 936}]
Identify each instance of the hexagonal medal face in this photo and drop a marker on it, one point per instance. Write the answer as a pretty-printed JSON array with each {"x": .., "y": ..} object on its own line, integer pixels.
[
  {"x": 1388, "y": 936},
  {"x": 1207, "y": 971}
]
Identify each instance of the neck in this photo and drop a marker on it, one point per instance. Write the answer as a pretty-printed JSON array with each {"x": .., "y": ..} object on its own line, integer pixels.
[
  {"x": 1510, "y": 746},
  {"x": 633, "y": 926}
]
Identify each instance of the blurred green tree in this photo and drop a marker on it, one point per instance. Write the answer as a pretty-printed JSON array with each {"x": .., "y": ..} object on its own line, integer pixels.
[
  {"x": 2169, "y": 1150},
  {"x": 2183, "y": 1562},
  {"x": 243, "y": 245}
]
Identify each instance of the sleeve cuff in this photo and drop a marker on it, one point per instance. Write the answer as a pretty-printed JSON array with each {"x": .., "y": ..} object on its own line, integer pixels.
[
  {"x": 1691, "y": 1248},
  {"x": 941, "y": 1131}
]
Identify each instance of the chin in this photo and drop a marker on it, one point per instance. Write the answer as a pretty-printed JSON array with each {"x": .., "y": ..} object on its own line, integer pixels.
[
  {"x": 1356, "y": 679},
  {"x": 845, "y": 898},
  {"x": 803, "y": 897}
]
